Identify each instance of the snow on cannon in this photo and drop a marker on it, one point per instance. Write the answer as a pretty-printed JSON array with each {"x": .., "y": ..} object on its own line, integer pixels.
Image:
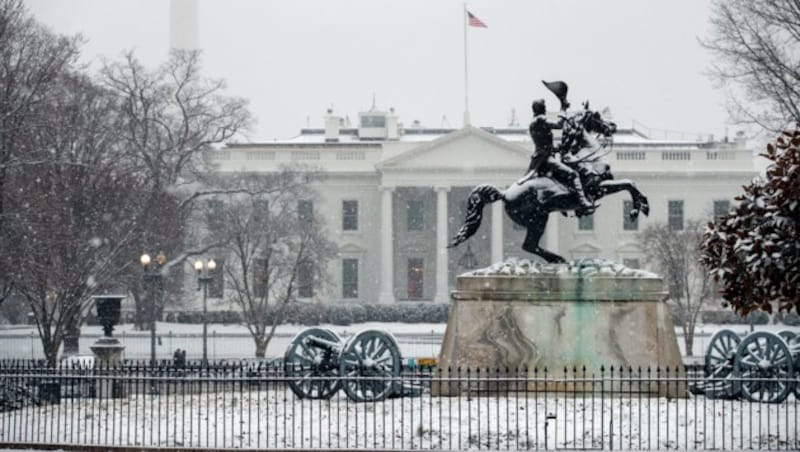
[
  {"x": 762, "y": 367},
  {"x": 317, "y": 364}
]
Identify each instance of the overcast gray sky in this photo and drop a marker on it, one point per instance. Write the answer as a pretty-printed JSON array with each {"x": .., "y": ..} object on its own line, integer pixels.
[{"x": 293, "y": 59}]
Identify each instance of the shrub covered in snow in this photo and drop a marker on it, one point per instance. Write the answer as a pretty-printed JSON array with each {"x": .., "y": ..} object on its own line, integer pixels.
[
  {"x": 336, "y": 314},
  {"x": 732, "y": 318},
  {"x": 754, "y": 251}
]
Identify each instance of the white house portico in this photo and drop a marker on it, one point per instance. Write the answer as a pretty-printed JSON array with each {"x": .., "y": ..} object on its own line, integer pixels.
[{"x": 393, "y": 196}]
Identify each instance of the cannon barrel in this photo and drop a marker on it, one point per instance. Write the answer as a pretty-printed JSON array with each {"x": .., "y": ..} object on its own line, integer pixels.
[{"x": 327, "y": 345}]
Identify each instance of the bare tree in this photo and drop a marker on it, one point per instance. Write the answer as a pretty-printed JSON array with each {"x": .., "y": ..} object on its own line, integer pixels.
[
  {"x": 171, "y": 116},
  {"x": 91, "y": 176},
  {"x": 675, "y": 254},
  {"x": 72, "y": 221},
  {"x": 271, "y": 251},
  {"x": 31, "y": 61},
  {"x": 756, "y": 45}
]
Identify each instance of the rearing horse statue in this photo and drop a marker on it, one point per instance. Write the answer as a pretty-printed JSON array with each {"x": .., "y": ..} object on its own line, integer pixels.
[{"x": 530, "y": 201}]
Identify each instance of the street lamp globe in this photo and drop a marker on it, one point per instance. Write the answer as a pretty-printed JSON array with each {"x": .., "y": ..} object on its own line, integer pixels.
[
  {"x": 211, "y": 265},
  {"x": 145, "y": 260},
  {"x": 198, "y": 265}
]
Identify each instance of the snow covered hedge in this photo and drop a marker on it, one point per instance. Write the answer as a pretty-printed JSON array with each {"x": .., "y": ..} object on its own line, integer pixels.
[
  {"x": 336, "y": 314},
  {"x": 754, "y": 252},
  {"x": 732, "y": 318}
]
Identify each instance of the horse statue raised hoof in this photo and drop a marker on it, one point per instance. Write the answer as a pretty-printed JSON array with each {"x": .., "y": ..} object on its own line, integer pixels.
[{"x": 529, "y": 201}]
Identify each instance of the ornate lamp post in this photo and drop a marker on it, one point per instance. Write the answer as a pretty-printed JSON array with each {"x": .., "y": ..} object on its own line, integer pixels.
[
  {"x": 204, "y": 277},
  {"x": 152, "y": 278}
]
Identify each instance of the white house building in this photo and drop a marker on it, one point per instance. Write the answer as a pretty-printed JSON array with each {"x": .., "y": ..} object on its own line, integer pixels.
[{"x": 394, "y": 195}]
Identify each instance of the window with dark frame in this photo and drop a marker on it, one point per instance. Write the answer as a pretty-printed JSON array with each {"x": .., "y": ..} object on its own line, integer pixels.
[
  {"x": 416, "y": 271},
  {"x": 631, "y": 263},
  {"x": 586, "y": 223},
  {"x": 305, "y": 280},
  {"x": 260, "y": 210},
  {"x": 629, "y": 224},
  {"x": 373, "y": 121},
  {"x": 260, "y": 273},
  {"x": 305, "y": 210},
  {"x": 214, "y": 213},
  {"x": 216, "y": 287},
  {"x": 675, "y": 215},
  {"x": 414, "y": 215},
  {"x": 350, "y": 215},
  {"x": 721, "y": 207},
  {"x": 349, "y": 278}
]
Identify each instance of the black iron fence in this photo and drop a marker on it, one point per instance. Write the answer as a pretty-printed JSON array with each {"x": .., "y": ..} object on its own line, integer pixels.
[{"x": 253, "y": 405}]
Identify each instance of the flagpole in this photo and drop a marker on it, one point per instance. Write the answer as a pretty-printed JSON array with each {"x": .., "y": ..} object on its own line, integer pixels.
[{"x": 466, "y": 69}]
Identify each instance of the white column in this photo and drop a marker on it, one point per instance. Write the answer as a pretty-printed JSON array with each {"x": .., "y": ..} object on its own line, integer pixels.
[
  {"x": 497, "y": 231},
  {"x": 442, "y": 285},
  {"x": 387, "y": 249}
]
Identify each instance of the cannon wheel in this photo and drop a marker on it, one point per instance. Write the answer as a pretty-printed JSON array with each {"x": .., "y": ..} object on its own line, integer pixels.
[
  {"x": 720, "y": 354},
  {"x": 312, "y": 372},
  {"x": 787, "y": 335},
  {"x": 764, "y": 365},
  {"x": 370, "y": 354},
  {"x": 793, "y": 341}
]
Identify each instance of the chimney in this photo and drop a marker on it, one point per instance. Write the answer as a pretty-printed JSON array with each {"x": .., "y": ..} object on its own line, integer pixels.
[
  {"x": 332, "y": 125},
  {"x": 392, "y": 129}
]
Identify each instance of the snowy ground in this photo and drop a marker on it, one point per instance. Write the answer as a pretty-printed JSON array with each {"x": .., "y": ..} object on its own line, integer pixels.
[
  {"x": 234, "y": 342},
  {"x": 271, "y": 417},
  {"x": 268, "y": 415}
]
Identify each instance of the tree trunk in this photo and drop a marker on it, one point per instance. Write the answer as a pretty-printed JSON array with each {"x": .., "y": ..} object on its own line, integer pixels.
[
  {"x": 688, "y": 337},
  {"x": 140, "y": 319},
  {"x": 688, "y": 341},
  {"x": 72, "y": 337},
  {"x": 50, "y": 348},
  {"x": 261, "y": 346}
]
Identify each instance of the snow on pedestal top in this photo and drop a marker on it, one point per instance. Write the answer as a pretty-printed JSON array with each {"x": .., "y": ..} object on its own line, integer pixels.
[{"x": 588, "y": 267}]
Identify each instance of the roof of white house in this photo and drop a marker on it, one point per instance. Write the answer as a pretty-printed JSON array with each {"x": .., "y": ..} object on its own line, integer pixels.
[{"x": 339, "y": 131}]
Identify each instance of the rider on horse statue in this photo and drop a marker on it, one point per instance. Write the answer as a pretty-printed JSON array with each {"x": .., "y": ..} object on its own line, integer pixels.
[
  {"x": 544, "y": 159},
  {"x": 552, "y": 183}
]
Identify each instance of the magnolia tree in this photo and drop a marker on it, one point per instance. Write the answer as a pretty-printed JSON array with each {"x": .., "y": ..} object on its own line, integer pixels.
[
  {"x": 273, "y": 253},
  {"x": 754, "y": 252},
  {"x": 675, "y": 254}
]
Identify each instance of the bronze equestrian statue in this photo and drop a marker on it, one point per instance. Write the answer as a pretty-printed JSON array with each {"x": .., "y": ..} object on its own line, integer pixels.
[
  {"x": 542, "y": 190},
  {"x": 544, "y": 160}
]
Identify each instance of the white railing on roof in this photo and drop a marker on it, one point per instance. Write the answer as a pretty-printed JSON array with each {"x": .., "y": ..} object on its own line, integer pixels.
[
  {"x": 351, "y": 155},
  {"x": 305, "y": 155},
  {"x": 260, "y": 155},
  {"x": 676, "y": 155}
]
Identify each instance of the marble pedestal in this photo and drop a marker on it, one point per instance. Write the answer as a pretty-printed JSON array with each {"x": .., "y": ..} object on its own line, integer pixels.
[
  {"x": 591, "y": 314},
  {"x": 108, "y": 356}
]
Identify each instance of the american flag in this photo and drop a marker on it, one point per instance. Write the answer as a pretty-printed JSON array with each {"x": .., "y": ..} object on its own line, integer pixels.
[{"x": 474, "y": 21}]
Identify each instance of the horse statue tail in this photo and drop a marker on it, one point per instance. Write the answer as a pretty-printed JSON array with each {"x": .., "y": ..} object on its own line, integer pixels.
[{"x": 479, "y": 196}]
